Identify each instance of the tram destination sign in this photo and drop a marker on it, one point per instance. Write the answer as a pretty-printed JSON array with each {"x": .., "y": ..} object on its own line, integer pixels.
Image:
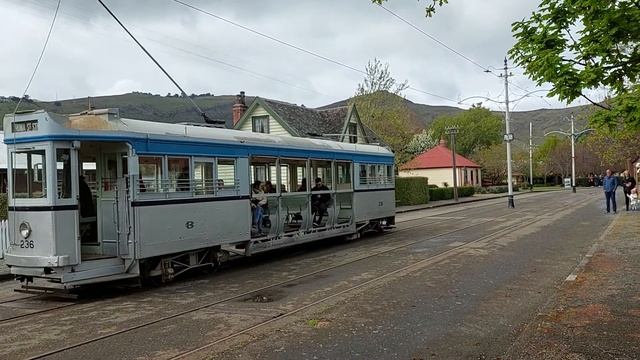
[{"x": 23, "y": 126}]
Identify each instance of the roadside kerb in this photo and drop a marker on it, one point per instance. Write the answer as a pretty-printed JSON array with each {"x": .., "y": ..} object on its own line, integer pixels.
[{"x": 443, "y": 203}]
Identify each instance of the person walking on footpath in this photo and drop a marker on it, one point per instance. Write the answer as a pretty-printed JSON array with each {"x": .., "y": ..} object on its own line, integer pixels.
[
  {"x": 628, "y": 184},
  {"x": 609, "y": 184}
]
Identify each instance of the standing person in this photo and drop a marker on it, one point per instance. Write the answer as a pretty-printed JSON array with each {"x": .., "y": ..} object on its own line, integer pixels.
[
  {"x": 628, "y": 183},
  {"x": 610, "y": 184},
  {"x": 319, "y": 202},
  {"x": 258, "y": 201}
]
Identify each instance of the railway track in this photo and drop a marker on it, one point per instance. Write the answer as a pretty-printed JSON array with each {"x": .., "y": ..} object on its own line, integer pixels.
[
  {"x": 434, "y": 258},
  {"x": 421, "y": 224}
]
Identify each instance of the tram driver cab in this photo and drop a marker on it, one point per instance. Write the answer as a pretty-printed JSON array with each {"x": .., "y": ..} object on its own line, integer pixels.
[{"x": 63, "y": 212}]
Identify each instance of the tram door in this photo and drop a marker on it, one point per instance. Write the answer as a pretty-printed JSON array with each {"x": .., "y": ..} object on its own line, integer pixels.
[{"x": 112, "y": 201}]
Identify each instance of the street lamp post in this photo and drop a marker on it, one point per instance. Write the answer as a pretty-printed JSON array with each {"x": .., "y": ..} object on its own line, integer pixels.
[
  {"x": 573, "y": 135},
  {"x": 452, "y": 131},
  {"x": 508, "y": 136}
]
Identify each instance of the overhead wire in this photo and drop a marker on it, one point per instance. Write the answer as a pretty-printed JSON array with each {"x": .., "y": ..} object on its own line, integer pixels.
[
  {"x": 44, "y": 47},
  {"x": 296, "y": 47},
  {"x": 199, "y": 55},
  {"x": 486, "y": 69}
]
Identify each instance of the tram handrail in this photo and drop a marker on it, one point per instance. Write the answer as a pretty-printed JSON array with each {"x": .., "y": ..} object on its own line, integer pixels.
[{"x": 4, "y": 237}]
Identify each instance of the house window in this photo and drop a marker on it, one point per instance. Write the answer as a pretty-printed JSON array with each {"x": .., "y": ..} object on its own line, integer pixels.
[
  {"x": 260, "y": 124},
  {"x": 352, "y": 130}
]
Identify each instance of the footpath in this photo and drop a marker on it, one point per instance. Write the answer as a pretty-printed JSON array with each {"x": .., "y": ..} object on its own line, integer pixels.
[{"x": 595, "y": 313}]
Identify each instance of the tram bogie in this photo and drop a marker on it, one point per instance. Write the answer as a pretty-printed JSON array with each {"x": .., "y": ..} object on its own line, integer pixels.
[{"x": 94, "y": 197}]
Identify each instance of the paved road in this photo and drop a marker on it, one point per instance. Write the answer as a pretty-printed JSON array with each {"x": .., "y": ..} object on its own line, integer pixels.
[{"x": 455, "y": 282}]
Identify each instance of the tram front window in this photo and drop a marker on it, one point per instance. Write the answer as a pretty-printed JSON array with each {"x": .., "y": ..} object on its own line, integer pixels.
[{"x": 29, "y": 174}]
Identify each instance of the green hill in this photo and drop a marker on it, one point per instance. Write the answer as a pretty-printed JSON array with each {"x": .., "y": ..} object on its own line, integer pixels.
[{"x": 172, "y": 109}]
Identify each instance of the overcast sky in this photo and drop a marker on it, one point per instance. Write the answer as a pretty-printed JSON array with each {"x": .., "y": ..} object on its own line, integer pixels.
[{"x": 89, "y": 55}]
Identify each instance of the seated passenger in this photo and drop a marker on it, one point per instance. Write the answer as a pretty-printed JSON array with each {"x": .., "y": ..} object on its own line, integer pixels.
[
  {"x": 269, "y": 188},
  {"x": 319, "y": 202},
  {"x": 258, "y": 201},
  {"x": 303, "y": 185}
]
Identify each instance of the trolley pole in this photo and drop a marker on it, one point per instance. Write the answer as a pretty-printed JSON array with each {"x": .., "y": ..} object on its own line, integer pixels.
[
  {"x": 452, "y": 131},
  {"x": 508, "y": 136}
]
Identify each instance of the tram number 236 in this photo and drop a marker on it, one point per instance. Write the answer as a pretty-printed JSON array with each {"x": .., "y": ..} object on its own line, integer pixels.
[{"x": 26, "y": 244}]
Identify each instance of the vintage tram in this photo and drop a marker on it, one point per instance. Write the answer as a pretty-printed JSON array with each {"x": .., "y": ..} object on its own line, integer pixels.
[{"x": 94, "y": 197}]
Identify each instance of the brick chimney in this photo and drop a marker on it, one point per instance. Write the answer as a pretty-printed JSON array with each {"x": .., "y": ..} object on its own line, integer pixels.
[{"x": 239, "y": 107}]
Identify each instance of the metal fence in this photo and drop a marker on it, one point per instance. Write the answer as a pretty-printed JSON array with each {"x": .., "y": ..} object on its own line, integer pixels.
[{"x": 4, "y": 237}]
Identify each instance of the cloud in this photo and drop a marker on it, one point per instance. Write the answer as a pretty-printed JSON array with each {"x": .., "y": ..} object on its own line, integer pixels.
[{"x": 90, "y": 55}]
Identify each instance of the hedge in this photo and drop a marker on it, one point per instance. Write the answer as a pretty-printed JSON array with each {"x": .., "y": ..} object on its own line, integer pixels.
[
  {"x": 412, "y": 191},
  {"x": 447, "y": 193},
  {"x": 496, "y": 189}
]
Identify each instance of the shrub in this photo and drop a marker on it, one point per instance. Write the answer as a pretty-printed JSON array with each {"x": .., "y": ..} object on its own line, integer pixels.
[
  {"x": 495, "y": 189},
  {"x": 447, "y": 193},
  {"x": 3, "y": 206},
  {"x": 412, "y": 191}
]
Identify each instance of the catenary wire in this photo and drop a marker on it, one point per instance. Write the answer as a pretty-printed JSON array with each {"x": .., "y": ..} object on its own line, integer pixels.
[
  {"x": 44, "y": 47},
  {"x": 197, "y": 54},
  {"x": 298, "y": 48}
]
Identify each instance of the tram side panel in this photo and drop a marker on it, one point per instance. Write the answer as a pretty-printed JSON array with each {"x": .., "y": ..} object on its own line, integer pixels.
[
  {"x": 174, "y": 228},
  {"x": 374, "y": 204}
]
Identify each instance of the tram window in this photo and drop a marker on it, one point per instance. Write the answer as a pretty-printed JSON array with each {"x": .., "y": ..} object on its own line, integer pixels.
[
  {"x": 284, "y": 178},
  {"x": 371, "y": 174},
  {"x": 150, "y": 173},
  {"x": 264, "y": 169},
  {"x": 63, "y": 166},
  {"x": 380, "y": 174},
  {"x": 322, "y": 169},
  {"x": 178, "y": 174},
  {"x": 203, "y": 177},
  {"x": 226, "y": 170},
  {"x": 363, "y": 174},
  {"x": 343, "y": 175},
  {"x": 29, "y": 174},
  {"x": 293, "y": 174},
  {"x": 390, "y": 175}
]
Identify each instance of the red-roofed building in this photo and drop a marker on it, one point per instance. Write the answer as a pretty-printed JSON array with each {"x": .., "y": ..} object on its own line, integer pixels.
[{"x": 437, "y": 165}]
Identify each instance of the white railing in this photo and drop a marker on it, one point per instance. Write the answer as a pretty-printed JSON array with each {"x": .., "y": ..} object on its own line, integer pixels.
[{"x": 4, "y": 237}]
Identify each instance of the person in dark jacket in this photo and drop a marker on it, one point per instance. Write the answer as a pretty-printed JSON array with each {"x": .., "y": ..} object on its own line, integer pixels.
[
  {"x": 319, "y": 202},
  {"x": 610, "y": 184},
  {"x": 628, "y": 183},
  {"x": 87, "y": 208}
]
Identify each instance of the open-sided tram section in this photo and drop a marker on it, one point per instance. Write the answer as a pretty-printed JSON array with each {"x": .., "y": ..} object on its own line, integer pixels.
[{"x": 95, "y": 197}]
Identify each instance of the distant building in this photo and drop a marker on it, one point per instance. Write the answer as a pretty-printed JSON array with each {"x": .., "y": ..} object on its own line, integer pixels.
[
  {"x": 280, "y": 118},
  {"x": 437, "y": 165}
]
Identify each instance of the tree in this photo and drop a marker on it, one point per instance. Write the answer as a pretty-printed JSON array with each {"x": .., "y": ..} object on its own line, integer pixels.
[
  {"x": 582, "y": 45},
  {"x": 378, "y": 78},
  {"x": 429, "y": 9},
  {"x": 383, "y": 110},
  {"x": 493, "y": 162},
  {"x": 613, "y": 148},
  {"x": 421, "y": 142},
  {"x": 479, "y": 129}
]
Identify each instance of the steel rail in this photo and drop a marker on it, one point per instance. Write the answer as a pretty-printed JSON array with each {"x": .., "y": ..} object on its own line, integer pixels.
[{"x": 284, "y": 282}]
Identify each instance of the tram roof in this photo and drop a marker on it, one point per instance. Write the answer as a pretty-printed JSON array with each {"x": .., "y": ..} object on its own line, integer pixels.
[{"x": 108, "y": 124}]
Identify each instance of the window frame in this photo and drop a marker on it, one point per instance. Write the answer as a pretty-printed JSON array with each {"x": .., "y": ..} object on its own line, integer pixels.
[{"x": 265, "y": 124}]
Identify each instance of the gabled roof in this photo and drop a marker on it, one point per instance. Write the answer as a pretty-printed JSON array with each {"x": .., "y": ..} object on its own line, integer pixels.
[
  {"x": 437, "y": 158},
  {"x": 307, "y": 122}
]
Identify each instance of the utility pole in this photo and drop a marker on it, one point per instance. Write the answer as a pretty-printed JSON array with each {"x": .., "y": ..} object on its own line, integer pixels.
[
  {"x": 574, "y": 136},
  {"x": 573, "y": 155},
  {"x": 508, "y": 136},
  {"x": 452, "y": 131},
  {"x": 531, "y": 156}
]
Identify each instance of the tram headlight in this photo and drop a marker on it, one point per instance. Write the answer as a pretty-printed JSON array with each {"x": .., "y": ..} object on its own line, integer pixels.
[{"x": 25, "y": 229}]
